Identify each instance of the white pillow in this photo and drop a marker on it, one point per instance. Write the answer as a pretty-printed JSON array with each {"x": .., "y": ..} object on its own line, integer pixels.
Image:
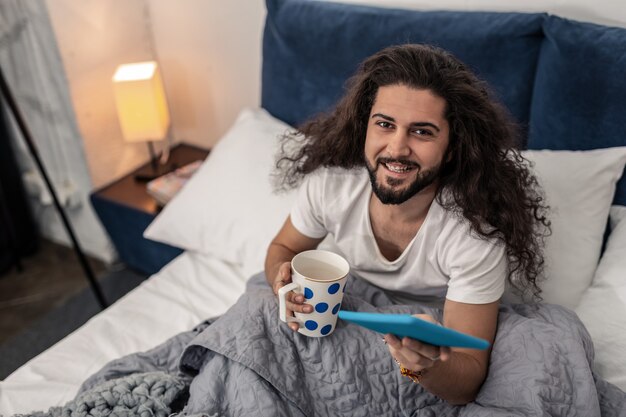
[
  {"x": 579, "y": 187},
  {"x": 603, "y": 306},
  {"x": 228, "y": 208}
]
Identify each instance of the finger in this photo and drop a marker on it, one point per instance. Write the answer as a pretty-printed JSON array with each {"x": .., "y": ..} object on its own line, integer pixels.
[
  {"x": 283, "y": 277},
  {"x": 446, "y": 352},
  {"x": 414, "y": 360},
  {"x": 426, "y": 317},
  {"x": 394, "y": 345},
  {"x": 400, "y": 354},
  {"x": 424, "y": 349},
  {"x": 293, "y": 325},
  {"x": 396, "y": 354},
  {"x": 299, "y": 308},
  {"x": 408, "y": 358},
  {"x": 392, "y": 341},
  {"x": 295, "y": 302},
  {"x": 284, "y": 271},
  {"x": 403, "y": 358},
  {"x": 277, "y": 285}
]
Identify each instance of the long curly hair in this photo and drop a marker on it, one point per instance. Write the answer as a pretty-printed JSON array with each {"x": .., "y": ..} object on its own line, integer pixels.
[{"x": 485, "y": 178}]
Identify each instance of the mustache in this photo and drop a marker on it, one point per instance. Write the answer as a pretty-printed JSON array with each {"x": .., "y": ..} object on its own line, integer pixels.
[{"x": 406, "y": 162}]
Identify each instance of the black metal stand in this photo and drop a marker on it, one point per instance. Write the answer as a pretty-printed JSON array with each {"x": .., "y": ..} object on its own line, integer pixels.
[
  {"x": 6, "y": 221},
  {"x": 95, "y": 287}
]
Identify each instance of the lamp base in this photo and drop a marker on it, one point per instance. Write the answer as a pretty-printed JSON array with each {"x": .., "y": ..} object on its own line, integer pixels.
[
  {"x": 152, "y": 172},
  {"x": 154, "y": 169}
]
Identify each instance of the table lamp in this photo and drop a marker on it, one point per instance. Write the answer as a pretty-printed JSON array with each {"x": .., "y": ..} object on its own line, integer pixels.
[{"x": 142, "y": 110}]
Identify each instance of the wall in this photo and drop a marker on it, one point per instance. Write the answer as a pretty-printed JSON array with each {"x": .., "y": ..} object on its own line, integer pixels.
[
  {"x": 207, "y": 79},
  {"x": 209, "y": 52}
]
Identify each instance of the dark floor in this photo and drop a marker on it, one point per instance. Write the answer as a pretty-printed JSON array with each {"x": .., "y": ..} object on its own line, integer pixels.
[
  {"x": 49, "y": 299},
  {"x": 49, "y": 278}
]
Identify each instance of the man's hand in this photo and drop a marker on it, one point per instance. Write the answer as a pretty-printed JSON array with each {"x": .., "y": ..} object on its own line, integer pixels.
[
  {"x": 287, "y": 243},
  {"x": 294, "y": 302},
  {"x": 413, "y": 354}
]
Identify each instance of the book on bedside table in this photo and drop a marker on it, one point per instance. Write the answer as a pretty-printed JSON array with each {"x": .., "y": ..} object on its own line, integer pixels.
[{"x": 164, "y": 188}]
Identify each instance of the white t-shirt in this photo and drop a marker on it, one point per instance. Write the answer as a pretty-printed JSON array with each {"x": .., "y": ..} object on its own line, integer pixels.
[{"x": 444, "y": 260}]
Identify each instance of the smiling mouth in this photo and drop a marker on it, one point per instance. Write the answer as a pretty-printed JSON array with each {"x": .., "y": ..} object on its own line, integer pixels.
[{"x": 398, "y": 167}]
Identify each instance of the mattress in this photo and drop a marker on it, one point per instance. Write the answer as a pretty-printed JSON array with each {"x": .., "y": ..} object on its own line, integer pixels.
[{"x": 188, "y": 290}]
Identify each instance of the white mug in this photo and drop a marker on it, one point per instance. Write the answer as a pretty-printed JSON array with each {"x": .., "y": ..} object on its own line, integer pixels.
[{"x": 321, "y": 276}]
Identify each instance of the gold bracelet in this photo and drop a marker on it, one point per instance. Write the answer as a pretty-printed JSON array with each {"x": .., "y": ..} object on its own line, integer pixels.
[{"x": 414, "y": 376}]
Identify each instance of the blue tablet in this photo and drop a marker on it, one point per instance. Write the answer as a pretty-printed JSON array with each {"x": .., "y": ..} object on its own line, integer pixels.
[{"x": 405, "y": 325}]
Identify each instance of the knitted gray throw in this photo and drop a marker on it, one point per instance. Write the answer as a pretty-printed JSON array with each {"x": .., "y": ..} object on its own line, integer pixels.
[{"x": 147, "y": 395}]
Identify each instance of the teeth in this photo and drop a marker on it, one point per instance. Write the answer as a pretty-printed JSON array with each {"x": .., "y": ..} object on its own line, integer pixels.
[{"x": 398, "y": 168}]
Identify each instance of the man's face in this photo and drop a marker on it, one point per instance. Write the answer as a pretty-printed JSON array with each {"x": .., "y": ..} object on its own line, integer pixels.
[{"x": 407, "y": 137}]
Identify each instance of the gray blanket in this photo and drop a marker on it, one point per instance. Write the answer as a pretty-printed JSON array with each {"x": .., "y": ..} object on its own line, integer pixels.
[
  {"x": 152, "y": 394},
  {"x": 247, "y": 362}
]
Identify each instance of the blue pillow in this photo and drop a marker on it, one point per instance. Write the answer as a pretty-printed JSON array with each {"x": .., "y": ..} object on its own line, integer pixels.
[
  {"x": 579, "y": 101},
  {"x": 310, "y": 48}
]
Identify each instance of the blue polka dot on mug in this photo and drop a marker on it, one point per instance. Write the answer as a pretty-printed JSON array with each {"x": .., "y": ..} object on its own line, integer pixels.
[
  {"x": 321, "y": 307},
  {"x": 308, "y": 293},
  {"x": 326, "y": 329},
  {"x": 333, "y": 288}
]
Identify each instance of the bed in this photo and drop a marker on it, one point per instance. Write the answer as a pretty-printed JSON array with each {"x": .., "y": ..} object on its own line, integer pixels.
[{"x": 562, "y": 81}]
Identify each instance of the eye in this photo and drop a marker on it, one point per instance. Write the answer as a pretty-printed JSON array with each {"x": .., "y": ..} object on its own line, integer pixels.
[
  {"x": 422, "y": 132},
  {"x": 384, "y": 124}
]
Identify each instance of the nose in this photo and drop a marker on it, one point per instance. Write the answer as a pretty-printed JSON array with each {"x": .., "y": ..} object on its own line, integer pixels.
[{"x": 398, "y": 145}]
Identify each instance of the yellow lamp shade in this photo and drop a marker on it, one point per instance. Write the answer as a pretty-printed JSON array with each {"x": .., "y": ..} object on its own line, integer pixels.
[{"x": 141, "y": 104}]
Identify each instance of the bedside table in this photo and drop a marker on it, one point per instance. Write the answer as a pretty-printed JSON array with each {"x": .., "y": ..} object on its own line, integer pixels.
[{"x": 126, "y": 209}]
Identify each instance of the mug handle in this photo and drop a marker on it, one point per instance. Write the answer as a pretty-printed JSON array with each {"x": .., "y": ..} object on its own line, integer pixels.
[{"x": 282, "y": 302}]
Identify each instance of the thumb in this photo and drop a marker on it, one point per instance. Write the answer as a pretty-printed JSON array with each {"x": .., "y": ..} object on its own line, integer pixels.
[{"x": 285, "y": 272}]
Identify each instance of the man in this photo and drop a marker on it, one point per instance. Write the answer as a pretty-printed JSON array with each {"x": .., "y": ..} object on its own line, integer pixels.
[{"x": 416, "y": 178}]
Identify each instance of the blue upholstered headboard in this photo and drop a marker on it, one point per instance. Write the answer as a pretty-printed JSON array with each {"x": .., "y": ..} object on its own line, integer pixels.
[
  {"x": 310, "y": 48},
  {"x": 561, "y": 80}
]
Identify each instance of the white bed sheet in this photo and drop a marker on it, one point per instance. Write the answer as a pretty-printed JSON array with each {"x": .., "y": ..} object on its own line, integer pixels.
[{"x": 189, "y": 289}]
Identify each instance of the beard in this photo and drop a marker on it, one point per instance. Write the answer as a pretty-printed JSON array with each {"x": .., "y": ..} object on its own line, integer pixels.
[{"x": 388, "y": 193}]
